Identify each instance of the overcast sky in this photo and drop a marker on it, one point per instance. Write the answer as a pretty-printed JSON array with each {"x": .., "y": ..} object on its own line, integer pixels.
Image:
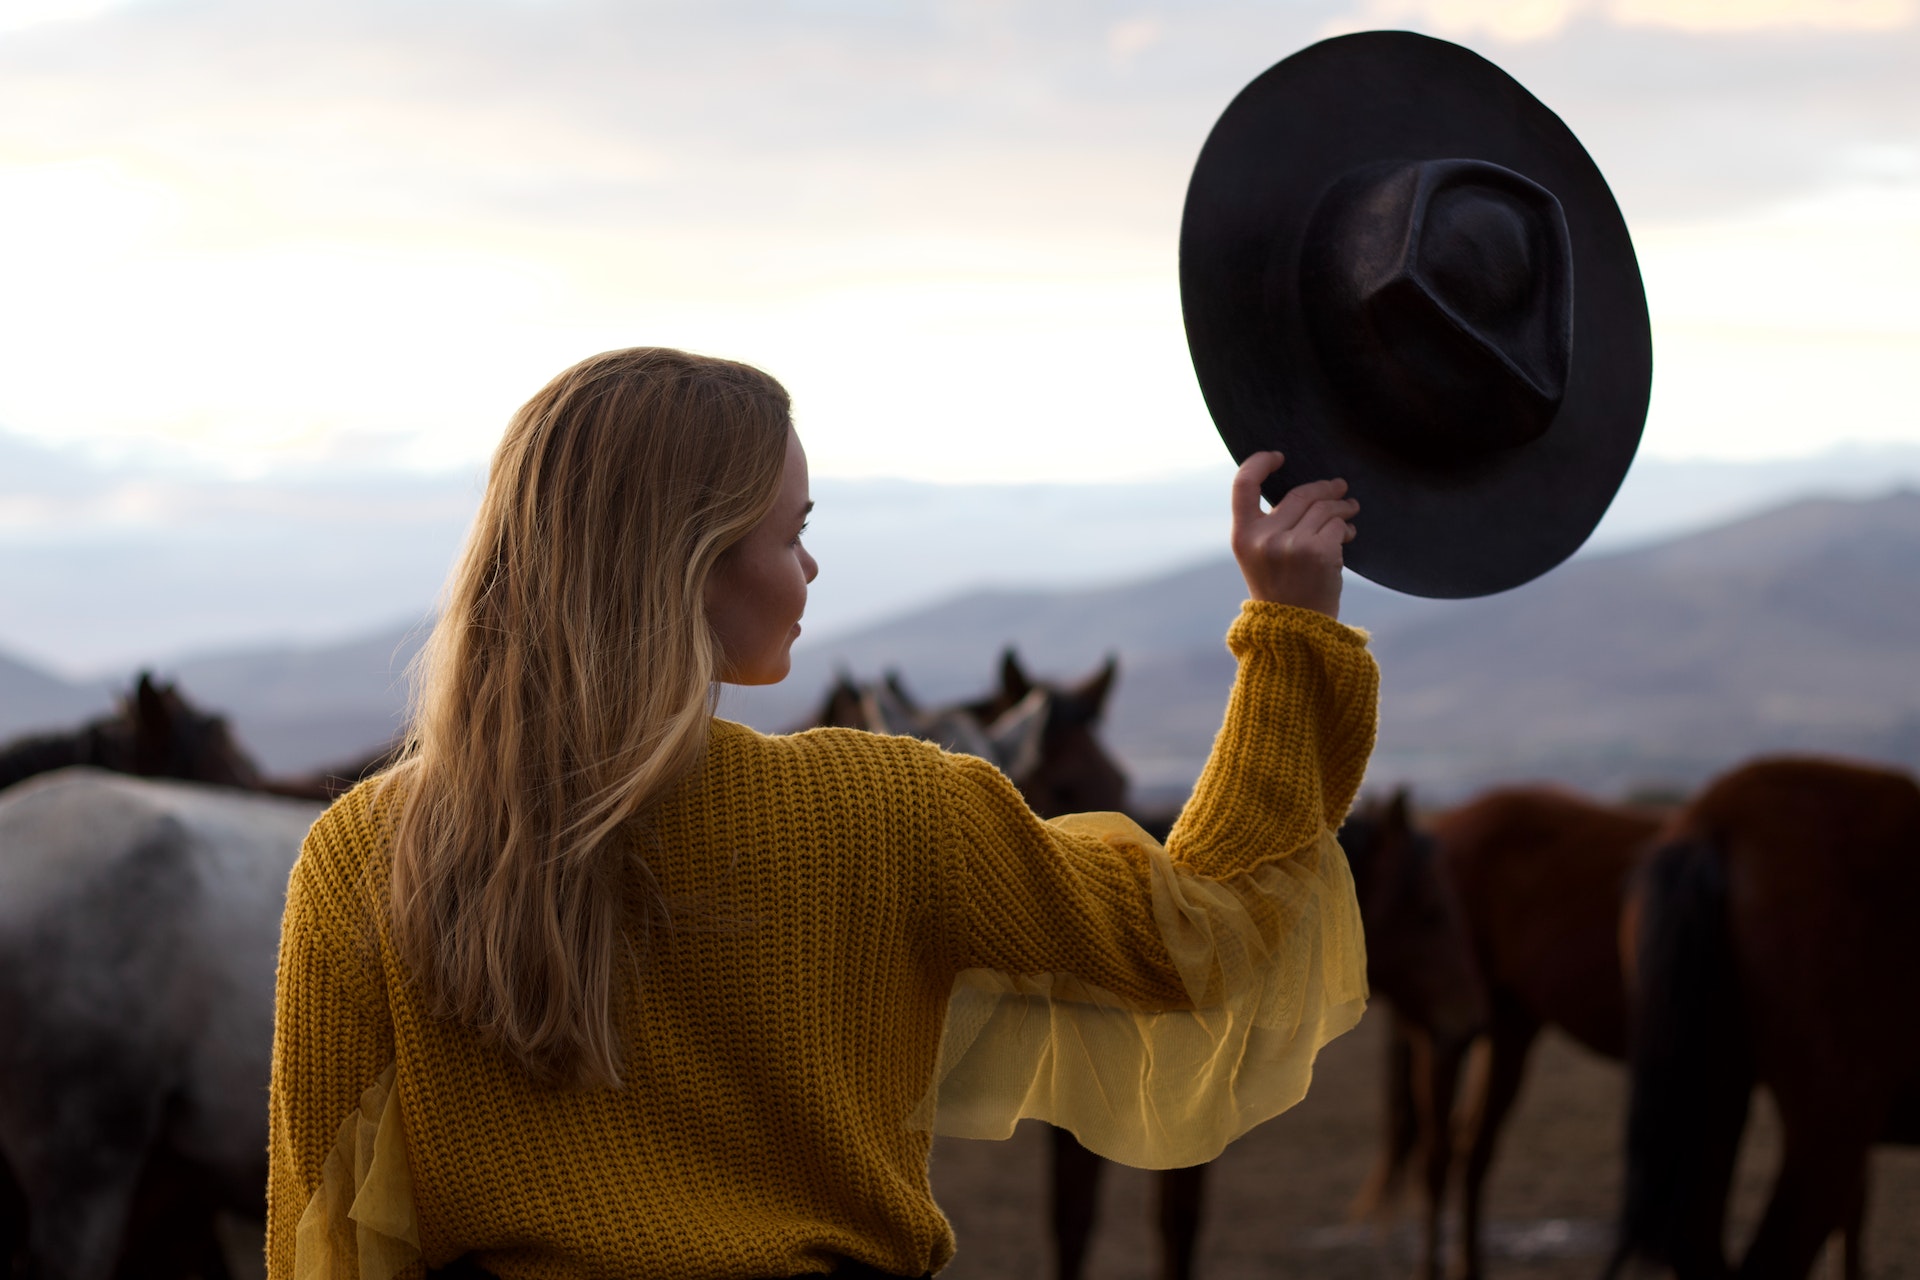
[{"x": 251, "y": 233}]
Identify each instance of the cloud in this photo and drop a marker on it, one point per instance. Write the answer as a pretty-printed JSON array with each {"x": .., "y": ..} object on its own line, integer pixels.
[
  {"x": 20, "y": 15},
  {"x": 1130, "y": 37},
  {"x": 251, "y": 230},
  {"x": 1519, "y": 21}
]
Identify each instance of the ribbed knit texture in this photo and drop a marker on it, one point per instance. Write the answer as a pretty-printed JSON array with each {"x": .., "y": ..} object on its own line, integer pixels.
[{"x": 829, "y": 886}]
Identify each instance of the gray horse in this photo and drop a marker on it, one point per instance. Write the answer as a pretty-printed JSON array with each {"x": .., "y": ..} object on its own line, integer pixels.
[{"x": 139, "y": 926}]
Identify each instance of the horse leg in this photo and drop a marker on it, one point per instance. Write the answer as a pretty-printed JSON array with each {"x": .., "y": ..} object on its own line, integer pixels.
[
  {"x": 78, "y": 1158},
  {"x": 1437, "y": 1078},
  {"x": 1182, "y": 1195},
  {"x": 1403, "y": 1126},
  {"x": 1852, "y": 1264},
  {"x": 171, "y": 1231},
  {"x": 1076, "y": 1197},
  {"x": 13, "y": 1225},
  {"x": 77, "y": 1225},
  {"x": 1511, "y": 1038},
  {"x": 1822, "y": 1179}
]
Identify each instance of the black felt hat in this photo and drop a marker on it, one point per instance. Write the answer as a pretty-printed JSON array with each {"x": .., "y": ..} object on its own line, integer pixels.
[{"x": 1397, "y": 266}]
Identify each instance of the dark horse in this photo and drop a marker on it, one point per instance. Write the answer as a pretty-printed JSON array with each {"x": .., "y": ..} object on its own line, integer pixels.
[
  {"x": 154, "y": 733},
  {"x": 1538, "y": 874},
  {"x": 1774, "y": 943},
  {"x": 1417, "y": 951}
]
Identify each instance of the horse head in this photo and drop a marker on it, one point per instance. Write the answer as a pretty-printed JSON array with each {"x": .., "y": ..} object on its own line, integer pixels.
[
  {"x": 1419, "y": 955},
  {"x": 1073, "y": 772},
  {"x": 841, "y": 708},
  {"x": 1039, "y": 734},
  {"x": 159, "y": 734}
]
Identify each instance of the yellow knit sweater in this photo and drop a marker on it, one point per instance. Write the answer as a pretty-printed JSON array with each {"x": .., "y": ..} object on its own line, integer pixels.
[{"x": 781, "y": 1035}]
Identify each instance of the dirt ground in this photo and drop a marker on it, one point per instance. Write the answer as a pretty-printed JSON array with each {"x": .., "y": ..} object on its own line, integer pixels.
[{"x": 1278, "y": 1198}]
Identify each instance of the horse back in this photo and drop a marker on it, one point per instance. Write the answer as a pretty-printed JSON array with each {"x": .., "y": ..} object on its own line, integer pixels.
[
  {"x": 1541, "y": 874},
  {"x": 138, "y": 927},
  {"x": 77, "y": 829}
]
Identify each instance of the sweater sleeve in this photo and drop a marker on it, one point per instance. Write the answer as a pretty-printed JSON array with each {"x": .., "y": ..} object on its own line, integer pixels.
[
  {"x": 1293, "y": 747},
  {"x": 1160, "y": 1002},
  {"x": 332, "y": 1034}
]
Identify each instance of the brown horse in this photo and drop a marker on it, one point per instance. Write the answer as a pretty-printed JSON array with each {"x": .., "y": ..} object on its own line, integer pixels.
[
  {"x": 1773, "y": 942},
  {"x": 1417, "y": 953},
  {"x": 1417, "y": 957},
  {"x": 155, "y": 733},
  {"x": 1538, "y": 875}
]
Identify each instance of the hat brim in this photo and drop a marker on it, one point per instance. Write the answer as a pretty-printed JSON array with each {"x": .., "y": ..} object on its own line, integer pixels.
[{"x": 1469, "y": 528}]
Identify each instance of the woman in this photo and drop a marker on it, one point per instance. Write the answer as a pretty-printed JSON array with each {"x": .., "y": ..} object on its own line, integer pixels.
[{"x": 595, "y": 984}]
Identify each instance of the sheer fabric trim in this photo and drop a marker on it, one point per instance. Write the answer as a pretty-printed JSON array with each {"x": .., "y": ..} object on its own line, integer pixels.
[
  {"x": 359, "y": 1223},
  {"x": 1274, "y": 963}
]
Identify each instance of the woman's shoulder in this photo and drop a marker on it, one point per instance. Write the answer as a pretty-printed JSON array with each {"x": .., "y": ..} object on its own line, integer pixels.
[
  {"x": 826, "y": 752},
  {"x": 347, "y": 849}
]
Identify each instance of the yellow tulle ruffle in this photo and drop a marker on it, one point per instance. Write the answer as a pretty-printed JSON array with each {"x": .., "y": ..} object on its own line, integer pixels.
[
  {"x": 1274, "y": 962},
  {"x": 359, "y": 1224}
]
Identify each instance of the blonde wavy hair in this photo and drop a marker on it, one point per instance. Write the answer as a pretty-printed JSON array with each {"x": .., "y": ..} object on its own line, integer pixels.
[{"x": 567, "y": 687}]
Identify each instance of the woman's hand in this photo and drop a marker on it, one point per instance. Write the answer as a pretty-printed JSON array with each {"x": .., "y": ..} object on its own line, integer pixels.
[{"x": 1291, "y": 554}]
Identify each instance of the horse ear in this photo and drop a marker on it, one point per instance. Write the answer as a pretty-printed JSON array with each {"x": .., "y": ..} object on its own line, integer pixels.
[
  {"x": 1013, "y": 678},
  {"x": 1399, "y": 809},
  {"x": 899, "y": 691},
  {"x": 150, "y": 703},
  {"x": 1094, "y": 692},
  {"x": 152, "y": 727}
]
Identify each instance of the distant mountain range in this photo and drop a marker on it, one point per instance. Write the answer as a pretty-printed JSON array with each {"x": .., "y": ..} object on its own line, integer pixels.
[
  {"x": 1797, "y": 629},
  {"x": 108, "y": 562}
]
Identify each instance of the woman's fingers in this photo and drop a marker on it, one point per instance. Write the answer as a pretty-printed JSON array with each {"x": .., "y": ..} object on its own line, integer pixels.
[
  {"x": 1291, "y": 554},
  {"x": 1327, "y": 511},
  {"x": 1247, "y": 481},
  {"x": 1293, "y": 507}
]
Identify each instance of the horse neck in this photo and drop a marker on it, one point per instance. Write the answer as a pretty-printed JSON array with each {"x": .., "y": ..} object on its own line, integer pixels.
[{"x": 44, "y": 753}]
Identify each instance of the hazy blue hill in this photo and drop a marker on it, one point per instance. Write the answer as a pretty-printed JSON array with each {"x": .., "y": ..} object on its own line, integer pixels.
[
  {"x": 1167, "y": 631},
  {"x": 1796, "y": 629},
  {"x": 31, "y": 700},
  {"x": 301, "y": 707}
]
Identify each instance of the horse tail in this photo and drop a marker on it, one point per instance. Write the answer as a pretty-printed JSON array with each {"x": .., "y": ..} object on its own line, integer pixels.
[{"x": 1690, "y": 1063}]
